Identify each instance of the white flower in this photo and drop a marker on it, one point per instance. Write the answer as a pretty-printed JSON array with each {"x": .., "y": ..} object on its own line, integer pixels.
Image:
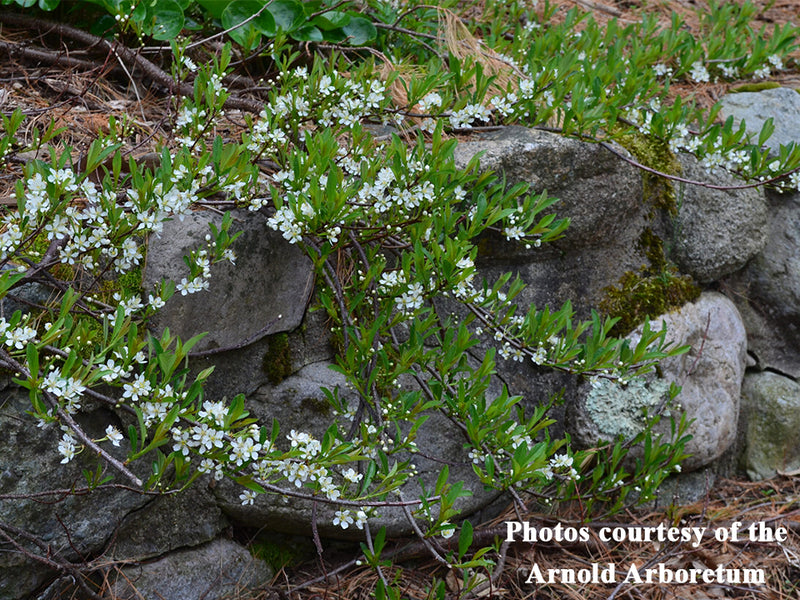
[
  {"x": 762, "y": 72},
  {"x": 207, "y": 438},
  {"x": 775, "y": 61},
  {"x": 463, "y": 118},
  {"x": 447, "y": 530},
  {"x": 247, "y": 497},
  {"x": 188, "y": 63},
  {"x": 343, "y": 518},
  {"x": 699, "y": 72},
  {"x": 155, "y": 302},
  {"x": 182, "y": 443},
  {"x": 351, "y": 475},
  {"x": 66, "y": 447},
  {"x": 243, "y": 450},
  {"x": 139, "y": 387},
  {"x": 17, "y": 338},
  {"x": 298, "y": 438},
  {"x": 206, "y": 466},
  {"x": 410, "y": 300},
  {"x": 730, "y": 71},
  {"x": 662, "y": 70},
  {"x": 215, "y": 411},
  {"x": 113, "y": 434},
  {"x": 476, "y": 456},
  {"x": 562, "y": 460},
  {"x": 514, "y": 232},
  {"x": 430, "y": 101}
]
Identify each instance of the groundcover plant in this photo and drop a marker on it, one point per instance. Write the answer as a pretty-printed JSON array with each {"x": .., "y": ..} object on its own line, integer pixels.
[{"x": 348, "y": 153}]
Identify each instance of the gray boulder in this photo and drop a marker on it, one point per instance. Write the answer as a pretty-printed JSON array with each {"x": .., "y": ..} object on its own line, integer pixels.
[
  {"x": 73, "y": 526},
  {"x": 220, "y": 569},
  {"x": 716, "y": 231},
  {"x": 710, "y": 376},
  {"x": 754, "y": 108},
  {"x": 167, "y": 523},
  {"x": 265, "y": 292},
  {"x": 297, "y": 403},
  {"x": 600, "y": 193},
  {"x": 771, "y": 407},
  {"x": 767, "y": 291}
]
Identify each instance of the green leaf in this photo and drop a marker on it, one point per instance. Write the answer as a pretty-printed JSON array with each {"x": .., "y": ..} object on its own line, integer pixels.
[
  {"x": 214, "y": 7},
  {"x": 48, "y": 5},
  {"x": 167, "y": 20},
  {"x": 331, "y": 20},
  {"x": 766, "y": 131},
  {"x": 309, "y": 33},
  {"x": 249, "y": 34},
  {"x": 464, "y": 539},
  {"x": 288, "y": 15},
  {"x": 33, "y": 360},
  {"x": 336, "y": 36},
  {"x": 360, "y": 31}
]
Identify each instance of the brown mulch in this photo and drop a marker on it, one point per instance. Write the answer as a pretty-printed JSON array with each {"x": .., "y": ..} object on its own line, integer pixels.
[{"x": 775, "y": 503}]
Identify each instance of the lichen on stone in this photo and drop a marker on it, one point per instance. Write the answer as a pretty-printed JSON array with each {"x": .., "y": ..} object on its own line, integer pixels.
[{"x": 622, "y": 410}]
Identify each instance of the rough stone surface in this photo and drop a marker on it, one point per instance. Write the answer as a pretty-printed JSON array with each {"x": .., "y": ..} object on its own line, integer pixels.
[
  {"x": 603, "y": 198},
  {"x": 216, "y": 570},
  {"x": 681, "y": 489},
  {"x": 266, "y": 291},
  {"x": 21, "y": 298},
  {"x": 297, "y": 403},
  {"x": 167, "y": 523},
  {"x": 771, "y": 405},
  {"x": 754, "y": 108},
  {"x": 716, "y": 231},
  {"x": 30, "y": 463},
  {"x": 247, "y": 369},
  {"x": 767, "y": 291},
  {"x": 710, "y": 375},
  {"x": 597, "y": 191}
]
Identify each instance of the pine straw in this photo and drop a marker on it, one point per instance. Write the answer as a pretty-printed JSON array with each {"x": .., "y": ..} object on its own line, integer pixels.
[
  {"x": 776, "y": 502},
  {"x": 456, "y": 38}
]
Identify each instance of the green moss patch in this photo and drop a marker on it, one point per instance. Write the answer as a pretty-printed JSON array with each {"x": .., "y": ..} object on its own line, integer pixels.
[
  {"x": 655, "y": 154},
  {"x": 278, "y": 359},
  {"x": 278, "y": 552},
  {"x": 755, "y": 87},
  {"x": 655, "y": 289}
]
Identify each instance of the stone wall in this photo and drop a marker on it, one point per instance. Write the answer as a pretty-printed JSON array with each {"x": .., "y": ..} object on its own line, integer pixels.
[{"x": 743, "y": 325}]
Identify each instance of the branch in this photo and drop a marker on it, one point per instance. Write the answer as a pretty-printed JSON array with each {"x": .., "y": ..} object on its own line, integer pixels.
[
  {"x": 69, "y": 421},
  {"x": 126, "y": 55}
]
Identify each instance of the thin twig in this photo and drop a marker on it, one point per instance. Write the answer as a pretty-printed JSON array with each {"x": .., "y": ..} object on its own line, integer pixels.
[
  {"x": 125, "y": 54},
  {"x": 425, "y": 541}
]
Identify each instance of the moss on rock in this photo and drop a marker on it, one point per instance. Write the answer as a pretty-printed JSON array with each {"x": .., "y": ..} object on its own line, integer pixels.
[
  {"x": 755, "y": 87},
  {"x": 655, "y": 289},
  {"x": 655, "y": 154},
  {"x": 278, "y": 359}
]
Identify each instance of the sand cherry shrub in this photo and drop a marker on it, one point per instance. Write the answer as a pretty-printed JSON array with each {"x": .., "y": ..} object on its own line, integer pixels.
[{"x": 391, "y": 226}]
